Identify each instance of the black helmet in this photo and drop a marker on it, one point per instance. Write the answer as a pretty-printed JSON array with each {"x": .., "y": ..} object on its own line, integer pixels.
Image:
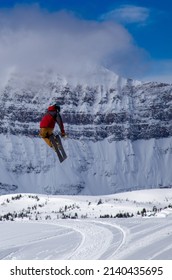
[{"x": 57, "y": 105}]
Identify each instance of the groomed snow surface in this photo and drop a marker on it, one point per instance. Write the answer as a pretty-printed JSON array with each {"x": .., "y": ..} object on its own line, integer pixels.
[{"x": 70, "y": 227}]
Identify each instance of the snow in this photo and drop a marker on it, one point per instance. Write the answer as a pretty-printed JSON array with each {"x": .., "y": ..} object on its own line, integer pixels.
[
  {"x": 70, "y": 227},
  {"x": 92, "y": 168}
]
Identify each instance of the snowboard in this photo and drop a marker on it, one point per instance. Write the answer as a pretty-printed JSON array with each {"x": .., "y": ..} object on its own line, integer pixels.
[{"x": 58, "y": 147}]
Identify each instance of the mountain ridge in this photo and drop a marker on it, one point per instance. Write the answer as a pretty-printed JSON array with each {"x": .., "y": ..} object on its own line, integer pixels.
[{"x": 111, "y": 122}]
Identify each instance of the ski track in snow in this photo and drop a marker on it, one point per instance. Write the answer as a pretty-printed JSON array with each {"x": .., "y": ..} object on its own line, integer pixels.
[
  {"x": 151, "y": 239},
  {"x": 89, "y": 239}
]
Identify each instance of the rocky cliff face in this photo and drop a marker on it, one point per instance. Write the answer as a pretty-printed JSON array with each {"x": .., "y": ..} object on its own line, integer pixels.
[{"x": 117, "y": 129}]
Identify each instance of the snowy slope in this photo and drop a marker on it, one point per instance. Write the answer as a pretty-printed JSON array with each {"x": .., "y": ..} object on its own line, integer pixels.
[
  {"x": 87, "y": 240},
  {"x": 119, "y": 134},
  {"x": 42, "y": 234}
]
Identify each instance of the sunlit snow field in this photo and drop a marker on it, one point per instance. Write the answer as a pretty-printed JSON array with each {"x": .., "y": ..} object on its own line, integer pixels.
[{"x": 84, "y": 227}]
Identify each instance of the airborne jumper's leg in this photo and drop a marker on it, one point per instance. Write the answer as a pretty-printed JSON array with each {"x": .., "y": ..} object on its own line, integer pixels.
[{"x": 45, "y": 133}]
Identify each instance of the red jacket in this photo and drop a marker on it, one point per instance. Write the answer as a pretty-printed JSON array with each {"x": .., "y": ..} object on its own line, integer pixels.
[{"x": 50, "y": 118}]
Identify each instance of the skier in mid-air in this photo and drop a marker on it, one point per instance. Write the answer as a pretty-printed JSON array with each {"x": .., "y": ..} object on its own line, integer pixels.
[{"x": 48, "y": 121}]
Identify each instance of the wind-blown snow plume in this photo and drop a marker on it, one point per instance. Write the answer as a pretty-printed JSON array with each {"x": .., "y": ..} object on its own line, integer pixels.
[{"x": 31, "y": 38}]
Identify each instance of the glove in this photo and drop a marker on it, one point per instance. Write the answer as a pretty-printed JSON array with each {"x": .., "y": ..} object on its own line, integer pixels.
[{"x": 63, "y": 134}]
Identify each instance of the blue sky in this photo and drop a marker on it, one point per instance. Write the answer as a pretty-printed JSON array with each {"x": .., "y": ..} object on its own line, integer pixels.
[{"x": 141, "y": 28}]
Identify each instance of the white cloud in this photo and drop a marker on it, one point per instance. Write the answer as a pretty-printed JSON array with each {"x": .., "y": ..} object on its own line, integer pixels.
[
  {"x": 128, "y": 14},
  {"x": 31, "y": 39}
]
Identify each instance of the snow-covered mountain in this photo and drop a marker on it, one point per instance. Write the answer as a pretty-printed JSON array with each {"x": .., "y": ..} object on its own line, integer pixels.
[{"x": 120, "y": 134}]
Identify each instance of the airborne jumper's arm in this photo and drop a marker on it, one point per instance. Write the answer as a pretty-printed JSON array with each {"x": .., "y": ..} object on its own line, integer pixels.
[{"x": 60, "y": 123}]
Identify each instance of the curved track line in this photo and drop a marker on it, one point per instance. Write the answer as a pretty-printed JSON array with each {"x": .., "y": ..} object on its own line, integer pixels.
[
  {"x": 112, "y": 236},
  {"x": 94, "y": 243},
  {"x": 147, "y": 244},
  {"x": 121, "y": 242}
]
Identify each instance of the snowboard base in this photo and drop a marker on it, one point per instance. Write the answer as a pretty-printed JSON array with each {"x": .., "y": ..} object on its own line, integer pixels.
[{"x": 58, "y": 147}]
